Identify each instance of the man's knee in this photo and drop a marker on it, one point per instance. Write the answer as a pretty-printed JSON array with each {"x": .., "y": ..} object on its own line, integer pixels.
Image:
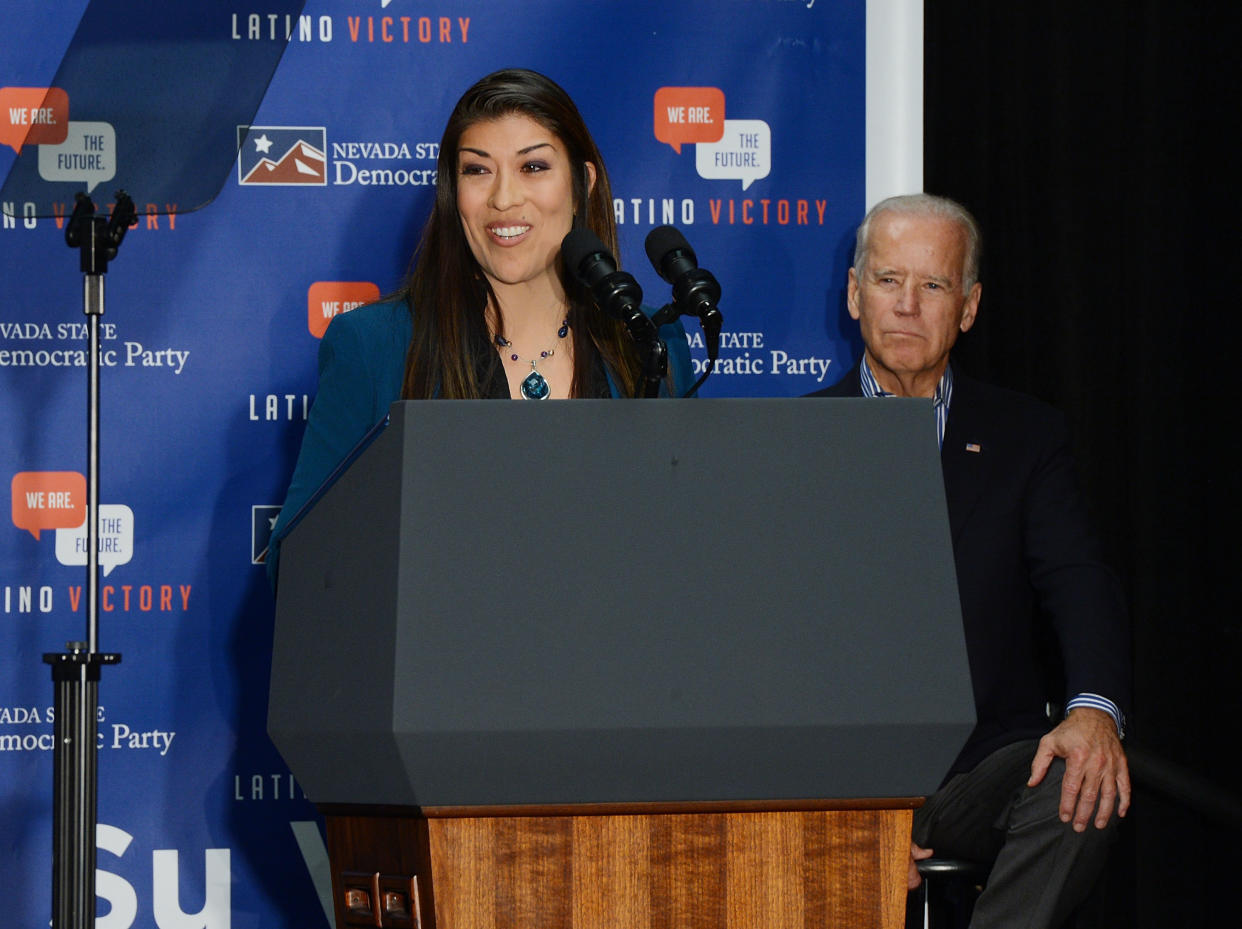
[
  {"x": 1036, "y": 804},
  {"x": 1040, "y": 806}
]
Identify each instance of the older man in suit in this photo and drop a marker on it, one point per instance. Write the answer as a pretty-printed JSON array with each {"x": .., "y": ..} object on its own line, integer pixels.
[{"x": 1039, "y": 801}]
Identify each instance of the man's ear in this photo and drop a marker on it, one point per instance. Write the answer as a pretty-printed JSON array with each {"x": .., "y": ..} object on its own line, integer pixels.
[
  {"x": 971, "y": 308},
  {"x": 851, "y": 295}
]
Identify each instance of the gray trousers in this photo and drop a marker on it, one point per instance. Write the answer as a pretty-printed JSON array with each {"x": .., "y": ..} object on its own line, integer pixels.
[{"x": 1041, "y": 868}]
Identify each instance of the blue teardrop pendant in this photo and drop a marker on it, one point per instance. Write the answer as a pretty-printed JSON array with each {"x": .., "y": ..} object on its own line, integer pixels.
[{"x": 535, "y": 386}]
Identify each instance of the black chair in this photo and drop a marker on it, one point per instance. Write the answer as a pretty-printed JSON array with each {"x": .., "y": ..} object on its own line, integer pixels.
[{"x": 947, "y": 895}]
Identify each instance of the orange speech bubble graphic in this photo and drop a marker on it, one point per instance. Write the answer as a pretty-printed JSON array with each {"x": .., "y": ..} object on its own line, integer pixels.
[
  {"x": 33, "y": 116},
  {"x": 689, "y": 114},
  {"x": 326, "y": 299},
  {"x": 48, "y": 500}
]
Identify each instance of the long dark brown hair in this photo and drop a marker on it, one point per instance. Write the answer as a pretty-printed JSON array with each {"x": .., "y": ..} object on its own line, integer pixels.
[{"x": 446, "y": 290}]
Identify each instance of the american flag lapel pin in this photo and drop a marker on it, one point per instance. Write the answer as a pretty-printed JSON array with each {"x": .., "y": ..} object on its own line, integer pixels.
[{"x": 974, "y": 447}]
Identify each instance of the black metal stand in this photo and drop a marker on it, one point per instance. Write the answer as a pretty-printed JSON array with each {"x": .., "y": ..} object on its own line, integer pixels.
[
  {"x": 75, "y": 784},
  {"x": 654, "y": 355},
  {"x": 75, "y": 672}
]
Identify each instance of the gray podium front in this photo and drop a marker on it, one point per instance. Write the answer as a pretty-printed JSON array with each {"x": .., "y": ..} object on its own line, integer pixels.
[{"x": 651, "y": 609}]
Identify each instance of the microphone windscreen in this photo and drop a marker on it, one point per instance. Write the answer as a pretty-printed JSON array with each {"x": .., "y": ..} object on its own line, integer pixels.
[
  {"x": 580, "y": 245},
  {"x": 664, "y": 239}
]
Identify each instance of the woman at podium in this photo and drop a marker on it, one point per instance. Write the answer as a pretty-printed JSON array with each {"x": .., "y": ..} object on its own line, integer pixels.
[{"x": 486, "y": 311}]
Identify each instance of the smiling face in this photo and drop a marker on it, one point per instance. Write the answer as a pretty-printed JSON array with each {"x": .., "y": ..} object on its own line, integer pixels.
[
  {"x": 909, "y": 299},
  {"x": 515, "y": 200}
]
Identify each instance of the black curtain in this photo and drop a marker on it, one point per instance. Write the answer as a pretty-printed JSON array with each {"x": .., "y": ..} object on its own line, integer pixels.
[{"x": 1094, "y": 142}]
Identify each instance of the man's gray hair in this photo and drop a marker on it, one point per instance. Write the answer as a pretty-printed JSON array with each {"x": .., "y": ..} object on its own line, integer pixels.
[{"x": 925, "y": 205}]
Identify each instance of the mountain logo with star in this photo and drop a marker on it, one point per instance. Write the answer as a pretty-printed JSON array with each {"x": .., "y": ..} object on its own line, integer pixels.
[
  {"x": 262, "y": 522},
  {"x": 282, "y": 156}
]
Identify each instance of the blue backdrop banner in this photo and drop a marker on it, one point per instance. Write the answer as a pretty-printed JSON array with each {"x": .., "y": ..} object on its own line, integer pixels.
[{"x": 742, "y": 122}]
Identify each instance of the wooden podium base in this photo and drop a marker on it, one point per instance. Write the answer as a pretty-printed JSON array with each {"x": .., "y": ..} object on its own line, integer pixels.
[{"x": 663, "y": 866}]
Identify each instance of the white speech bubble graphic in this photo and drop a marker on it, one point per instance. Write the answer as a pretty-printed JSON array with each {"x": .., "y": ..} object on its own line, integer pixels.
[
  {"x": 744, "y": 153},
  {"x": 87, "y": 154},
  {"x": 116, "y": 539}
]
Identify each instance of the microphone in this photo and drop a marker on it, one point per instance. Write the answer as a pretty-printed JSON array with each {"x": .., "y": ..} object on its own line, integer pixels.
[
  {"x": 618, "y": 295},
  {"x": 588, "y": 261},
  {"x": 695, "y": 291}
]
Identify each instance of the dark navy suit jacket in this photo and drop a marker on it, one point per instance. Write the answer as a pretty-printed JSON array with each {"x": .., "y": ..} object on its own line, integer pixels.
[{"x": 1029, "y": 571}]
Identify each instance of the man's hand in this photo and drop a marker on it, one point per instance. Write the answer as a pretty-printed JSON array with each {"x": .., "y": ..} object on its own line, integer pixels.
[
  {"x": 913, "y": 879},
  {"x": 1095, "y": 767}
]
